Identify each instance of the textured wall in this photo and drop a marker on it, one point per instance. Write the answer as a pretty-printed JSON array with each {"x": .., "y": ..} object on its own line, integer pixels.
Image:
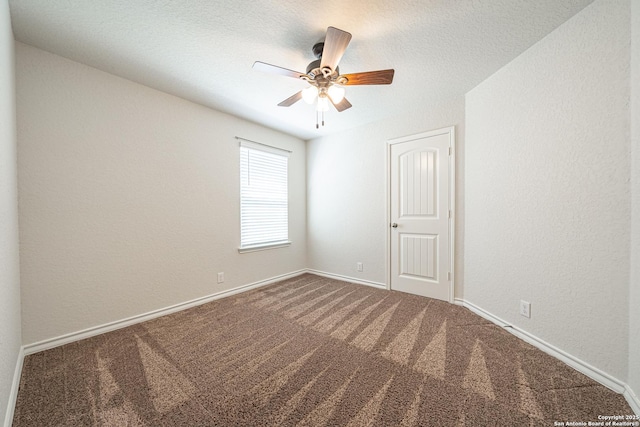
[
  {"x": 547, "y": 188},
  {"x": 346, "y": 193},
  {"x": 10, "y": 339},
  {"x": 634, "y": 289},
  {"x": 129, "y": 198}
]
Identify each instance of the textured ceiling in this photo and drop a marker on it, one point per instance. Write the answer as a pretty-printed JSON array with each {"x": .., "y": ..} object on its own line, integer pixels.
[{"x": 203, "y": 50}]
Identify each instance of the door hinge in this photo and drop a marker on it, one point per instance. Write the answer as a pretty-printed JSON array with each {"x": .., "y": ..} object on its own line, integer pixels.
[
  {"x": 450, "y": 150},
  {"x": 449, "y": 276},
  {"x": 449, "y": 213}
]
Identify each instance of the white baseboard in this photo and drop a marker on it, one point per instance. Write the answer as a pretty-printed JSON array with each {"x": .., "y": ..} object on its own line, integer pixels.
[
  {"x": 119, "y": 324},
  {"x": 347, "y": 278},
  {"x": 632, "y": 399},
  {"x": 579, "y": 365},
  {"x": 13, "y": 394}
]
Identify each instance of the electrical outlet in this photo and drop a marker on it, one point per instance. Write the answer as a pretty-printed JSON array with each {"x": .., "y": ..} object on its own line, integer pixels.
[
  {"x": 525, "y": 308},
  {"x": 220, "y": 277},
  {"x": 359, "y": 266}
]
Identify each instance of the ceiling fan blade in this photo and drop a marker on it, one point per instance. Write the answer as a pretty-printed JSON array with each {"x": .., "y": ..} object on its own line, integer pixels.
[
  {"x": 274, "y": 69},
  {"x": 335, "y": 43},
  {"x": 342, "y": 105},
  {"x": 381, "y": 77},
  {"x": 291, "y": 100}
]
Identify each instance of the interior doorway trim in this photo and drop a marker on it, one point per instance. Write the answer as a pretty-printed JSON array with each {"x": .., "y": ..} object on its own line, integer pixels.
[{"x": 450, "y": 131}]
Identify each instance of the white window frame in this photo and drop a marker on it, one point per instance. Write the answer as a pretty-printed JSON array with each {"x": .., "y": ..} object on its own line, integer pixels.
[{"x": 249, "y": 243}]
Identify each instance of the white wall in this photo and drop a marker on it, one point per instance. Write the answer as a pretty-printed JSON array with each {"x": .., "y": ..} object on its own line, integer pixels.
[
  {"x": 129, "y": 198},
  {"x": 346, "y": 193},
  {"x": 634, "y": 289},
  {"x": 10, "y": 339},
  {"x": 547, "y": 188}
]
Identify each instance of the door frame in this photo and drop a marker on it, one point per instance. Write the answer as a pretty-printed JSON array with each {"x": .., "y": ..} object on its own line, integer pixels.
[{"x": 451, "y": 132}]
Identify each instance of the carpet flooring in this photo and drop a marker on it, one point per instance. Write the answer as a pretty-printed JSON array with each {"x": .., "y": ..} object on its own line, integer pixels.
[{"x": 308, "y": 351}]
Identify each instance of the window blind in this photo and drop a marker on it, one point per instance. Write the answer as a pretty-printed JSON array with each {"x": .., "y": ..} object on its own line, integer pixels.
[{"x": 264, "y": 207}]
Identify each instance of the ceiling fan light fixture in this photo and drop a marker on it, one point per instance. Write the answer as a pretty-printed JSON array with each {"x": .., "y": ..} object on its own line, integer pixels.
[
  {"x": 310, "y": 94},
  {"x": 336, "y": 93}
]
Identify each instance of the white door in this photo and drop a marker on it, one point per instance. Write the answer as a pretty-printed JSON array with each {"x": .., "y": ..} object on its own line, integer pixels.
[{"x": 421, "y": 233}]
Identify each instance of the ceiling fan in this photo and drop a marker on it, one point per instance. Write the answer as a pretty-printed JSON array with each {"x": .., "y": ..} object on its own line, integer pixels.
[{"x": 323, "y": 75}]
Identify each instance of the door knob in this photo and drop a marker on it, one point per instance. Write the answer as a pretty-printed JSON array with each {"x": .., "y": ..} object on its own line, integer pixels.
[{"x": 394, "y": 225}]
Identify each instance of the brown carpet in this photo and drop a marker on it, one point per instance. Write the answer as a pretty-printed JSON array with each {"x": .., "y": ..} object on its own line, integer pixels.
[{"x": 308, "y": 351}]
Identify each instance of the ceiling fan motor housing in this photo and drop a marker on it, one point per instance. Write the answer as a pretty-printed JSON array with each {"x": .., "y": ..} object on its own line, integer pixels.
[
  {"x": 313, "y": 65},
  {"x": 313, "y": 69}
]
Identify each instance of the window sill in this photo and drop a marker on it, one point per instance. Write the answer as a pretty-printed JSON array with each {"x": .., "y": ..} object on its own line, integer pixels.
[{"x": 264, "y": 247}]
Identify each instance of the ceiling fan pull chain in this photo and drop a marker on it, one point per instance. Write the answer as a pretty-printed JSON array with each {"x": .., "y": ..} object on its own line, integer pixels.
[
  {"x": 317, "y": 120},
  {"x": 323, "y": 118}
]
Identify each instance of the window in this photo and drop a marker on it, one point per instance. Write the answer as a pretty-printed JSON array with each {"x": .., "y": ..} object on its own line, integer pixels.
[{"x": 264, "y": 205}]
